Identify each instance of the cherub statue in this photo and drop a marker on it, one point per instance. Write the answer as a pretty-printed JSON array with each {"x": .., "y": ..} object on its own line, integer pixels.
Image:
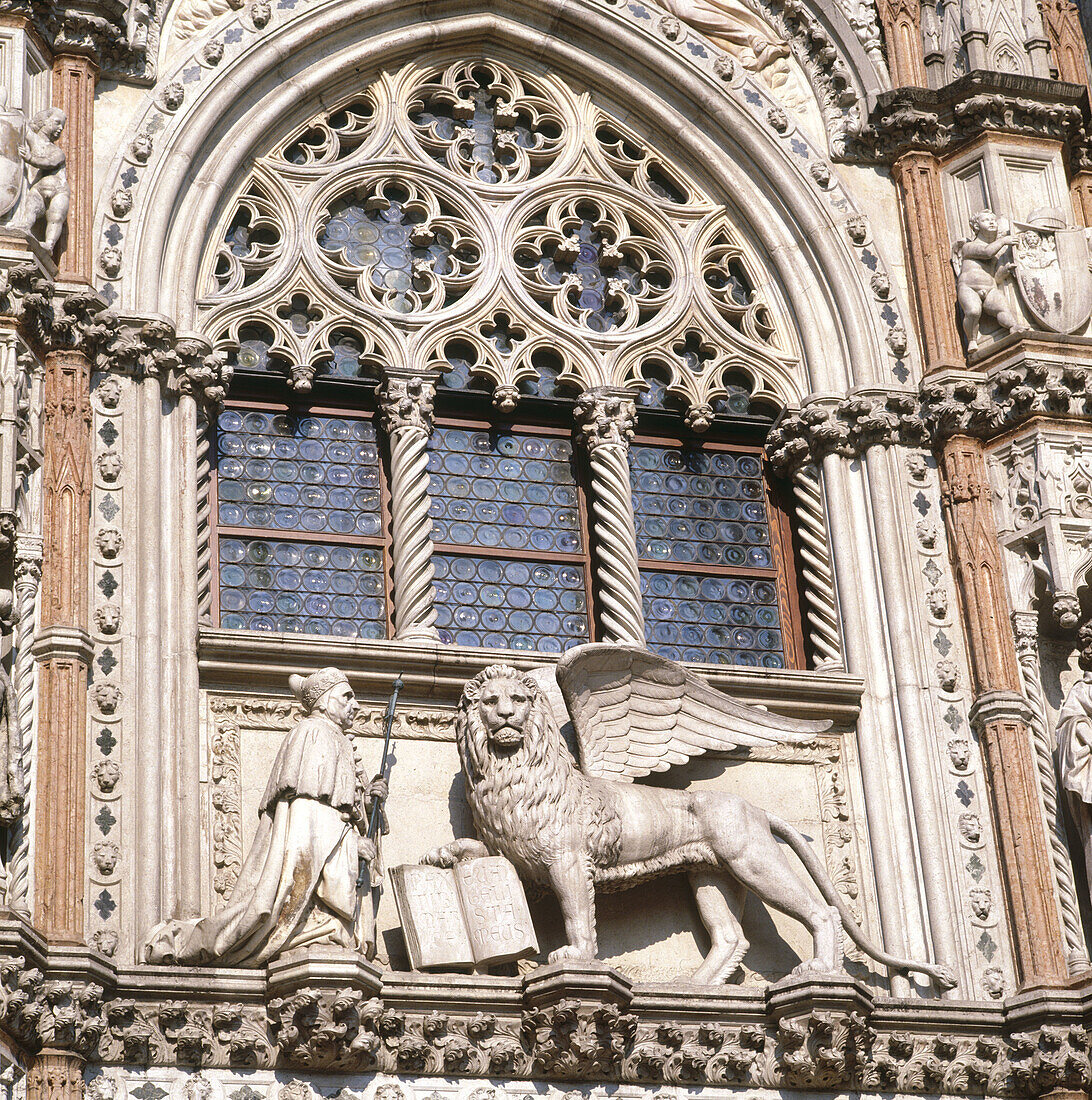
[
  {"x": 980, "y": 274},
  {"x": 311, "y": 864},
  {"x": 577, "y": 827},
  {"x": 47, "y": 194}
]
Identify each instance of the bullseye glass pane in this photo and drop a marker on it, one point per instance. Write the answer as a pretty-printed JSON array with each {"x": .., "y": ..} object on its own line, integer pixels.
[
  {"x": 302, "y": 587},
  {"x": 700, "y": 507},
  {"x": 720, "y": 620},
  {"x": 298, "y": 473},
  {"x": 510, "y": 604},
  {"x": 503, "y": 489}
]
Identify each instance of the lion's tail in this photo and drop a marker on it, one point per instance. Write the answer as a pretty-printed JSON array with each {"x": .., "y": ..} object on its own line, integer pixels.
[{"x": 943, "y": 976}]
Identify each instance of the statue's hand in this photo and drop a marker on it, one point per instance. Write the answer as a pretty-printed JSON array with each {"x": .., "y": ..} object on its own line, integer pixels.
[
  {"x": 377, "y": 790},
  {"x": 366, "y": 850},
  {"x": 450, "y": 854}
]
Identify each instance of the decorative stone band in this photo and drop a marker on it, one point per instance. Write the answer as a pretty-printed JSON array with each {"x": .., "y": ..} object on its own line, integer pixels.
[
  {"x": 1021, "y": 379},
  {"x": 936, "y": 119},
  {"x": 143, "y": 347},
  {"x": 582, "y": 1021}
]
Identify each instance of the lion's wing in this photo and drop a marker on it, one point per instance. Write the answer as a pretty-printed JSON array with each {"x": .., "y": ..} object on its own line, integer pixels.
[{"x": 635, "y": 713}]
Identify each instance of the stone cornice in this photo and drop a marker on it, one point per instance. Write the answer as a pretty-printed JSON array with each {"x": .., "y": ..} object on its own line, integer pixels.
[
  {"x": 557, "y": 1023},
  {"x": 936, "y": 120},
  {"x": 1018, "y": 379}
]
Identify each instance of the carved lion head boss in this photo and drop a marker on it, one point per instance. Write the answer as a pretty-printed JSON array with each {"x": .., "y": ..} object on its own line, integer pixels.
[{"x": 577, "y": 827}]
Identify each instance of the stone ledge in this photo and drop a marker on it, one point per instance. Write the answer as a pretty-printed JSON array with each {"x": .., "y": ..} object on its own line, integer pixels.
[{"x": 254, "y": 661}]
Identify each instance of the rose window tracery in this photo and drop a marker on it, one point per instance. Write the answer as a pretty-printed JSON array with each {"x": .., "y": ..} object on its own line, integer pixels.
[
  {"x": 485, "y": 122},
  {"x": 593, "y": 265},
  {"x": 395, "y": 243},
  {"x": 475, "y": 233}
]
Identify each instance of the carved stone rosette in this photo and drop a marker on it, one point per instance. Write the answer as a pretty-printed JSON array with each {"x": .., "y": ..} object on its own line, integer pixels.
[
  {"x": 405, "y": 404},
  {"x": 605, "y": 421}
]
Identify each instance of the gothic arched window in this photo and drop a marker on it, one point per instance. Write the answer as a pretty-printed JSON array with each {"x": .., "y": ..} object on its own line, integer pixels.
[{"x": 598, "y": 342}]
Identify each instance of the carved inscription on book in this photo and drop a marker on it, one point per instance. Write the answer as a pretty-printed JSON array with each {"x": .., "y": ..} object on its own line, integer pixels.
[{"x": 472, "y": 915}]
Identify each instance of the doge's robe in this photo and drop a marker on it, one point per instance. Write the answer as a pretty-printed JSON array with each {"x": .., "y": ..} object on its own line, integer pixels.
[{"x": 298, "y": 885}]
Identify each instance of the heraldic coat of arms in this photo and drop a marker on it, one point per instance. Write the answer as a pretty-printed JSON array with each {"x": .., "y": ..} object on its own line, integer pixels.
[{"x": 1051, "y": 268}]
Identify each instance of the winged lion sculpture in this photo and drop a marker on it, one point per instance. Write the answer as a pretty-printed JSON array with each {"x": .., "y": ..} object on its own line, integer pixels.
[{"x": 577, "y": 828}]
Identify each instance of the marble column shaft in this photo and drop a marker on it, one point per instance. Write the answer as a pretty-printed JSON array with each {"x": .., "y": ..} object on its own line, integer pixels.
[
  {"x": 1001, "y": 716},
  {"x": 927, "y": 246},
  {"x": 74, "y": 79},
  {"x": 406, "y": 413},
  {"x": 605, "y": 420}
]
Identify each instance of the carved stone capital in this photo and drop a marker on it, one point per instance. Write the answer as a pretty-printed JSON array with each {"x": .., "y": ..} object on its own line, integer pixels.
[
  {"x": 605, "y": 416},
  {"x": 60, "y": 643},
  {"x": 116, "y": 41},
  {"x": 845, "y": 426},
  {"x": 999, "y": 706},
  {"x": 934, "y": 120},
  {"x": 406, "y": 401}
]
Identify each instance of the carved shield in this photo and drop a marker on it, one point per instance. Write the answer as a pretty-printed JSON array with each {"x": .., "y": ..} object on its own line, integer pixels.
[
  {"x": 11, "y": 163},
  {"x": 1053, "y": 277}
]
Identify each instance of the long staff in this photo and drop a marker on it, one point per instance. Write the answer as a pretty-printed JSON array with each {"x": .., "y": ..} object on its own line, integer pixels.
[{"x": 373, "y": 820}]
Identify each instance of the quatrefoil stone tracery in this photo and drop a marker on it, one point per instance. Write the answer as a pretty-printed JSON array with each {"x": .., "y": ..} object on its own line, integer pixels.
[{"x": 449, "y": 194}]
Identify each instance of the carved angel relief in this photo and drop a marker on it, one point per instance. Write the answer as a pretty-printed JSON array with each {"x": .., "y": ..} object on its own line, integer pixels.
[{"x": 574, "y": 827}]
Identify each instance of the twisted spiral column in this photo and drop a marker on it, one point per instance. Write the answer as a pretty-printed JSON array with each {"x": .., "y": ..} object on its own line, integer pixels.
[
  {"x": 28, "y": 572},
  {"x": 405, "y": 404},
  {"x": 204, "y": 476},
  {"x": 1026, "y": 630},
  {"x": 819, "y": 594},
  {"x": 605, "y": 420}
]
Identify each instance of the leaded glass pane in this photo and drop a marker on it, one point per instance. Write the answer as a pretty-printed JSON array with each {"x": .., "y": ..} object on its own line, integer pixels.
[
  {"x": 302, "y": 587},
  {"x": 311, "y": 477},
  {"x": 722, "y": 620},
  {"x": 526, "y": 605},
  {"x": 706, "y": 509},
  {"x": 515, "y": 492},
  {"x": 702, "y": 507},
  {"x": 503, "y": 489},
  {"x": 308, "y": 473}
]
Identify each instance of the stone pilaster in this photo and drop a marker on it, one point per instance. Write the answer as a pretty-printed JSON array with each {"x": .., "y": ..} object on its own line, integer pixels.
[
  {"x": 901, "y": 22},
  {"x": 1001, "y": 716},
  {"x": 63, "y": 647},
  {"x": 55, "y": 1075},
  {"x": 605, "y": 421},
  {"x": 405, "y": 404},
  {"x": 918, "y": 177},
  {"x": 74, "y": 92},
  {"x": 1062, "y": 25}
]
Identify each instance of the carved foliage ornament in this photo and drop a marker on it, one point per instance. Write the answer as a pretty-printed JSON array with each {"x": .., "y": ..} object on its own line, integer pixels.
[{"x": 469, "y": 216}]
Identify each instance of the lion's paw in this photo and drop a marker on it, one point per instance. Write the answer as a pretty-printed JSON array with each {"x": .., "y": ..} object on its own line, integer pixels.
[
  {"x": 569, "y": 951},
  {"x": 813, "y": 968}
]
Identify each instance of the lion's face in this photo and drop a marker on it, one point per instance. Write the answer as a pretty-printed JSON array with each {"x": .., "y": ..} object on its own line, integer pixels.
[{"x": 504, "y": 705}]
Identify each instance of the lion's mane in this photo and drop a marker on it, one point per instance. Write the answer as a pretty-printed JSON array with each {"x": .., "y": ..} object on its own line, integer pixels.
[{"x": 524, "y": 802}]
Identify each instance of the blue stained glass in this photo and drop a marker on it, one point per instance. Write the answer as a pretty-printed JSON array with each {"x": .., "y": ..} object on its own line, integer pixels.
[
  {"x": 469, "y": 470},
  {"x": 681, "y": 513},
  {"x": 495, "y": 602},
  {"x": 339, "y": 591},
  {"x": 291, "y": 474},
  {"x": 732, "y": 621}
]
